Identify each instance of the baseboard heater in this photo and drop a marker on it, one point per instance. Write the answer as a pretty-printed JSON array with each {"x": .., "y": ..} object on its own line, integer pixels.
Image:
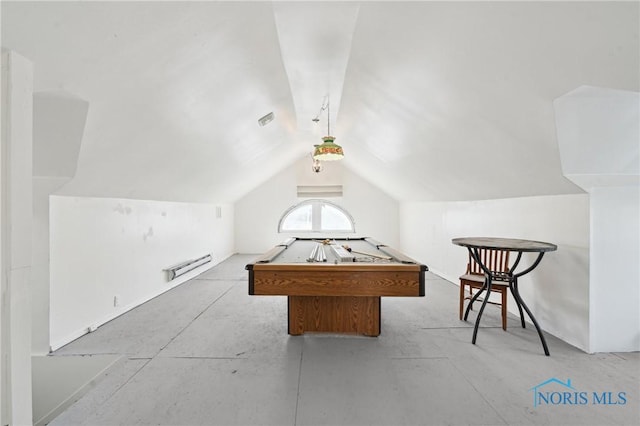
[{"x": 189, "y": 265}]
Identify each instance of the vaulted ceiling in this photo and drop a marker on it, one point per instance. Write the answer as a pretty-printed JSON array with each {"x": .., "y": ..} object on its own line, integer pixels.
[{"x": 430, "y": 100}]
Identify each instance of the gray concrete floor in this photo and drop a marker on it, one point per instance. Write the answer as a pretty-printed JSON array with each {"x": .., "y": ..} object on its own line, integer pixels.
[{"x": 206, "y": 353}]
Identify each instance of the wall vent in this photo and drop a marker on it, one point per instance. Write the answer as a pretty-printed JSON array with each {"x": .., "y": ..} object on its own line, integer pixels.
[
  {"x": 184, "y": 267},
  {"x": 319, "y": 191},
  {"x": 263, "y": 121}
]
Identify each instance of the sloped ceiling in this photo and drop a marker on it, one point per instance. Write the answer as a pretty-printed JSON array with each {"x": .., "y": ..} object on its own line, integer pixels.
[{"x": 430, "y": 100}]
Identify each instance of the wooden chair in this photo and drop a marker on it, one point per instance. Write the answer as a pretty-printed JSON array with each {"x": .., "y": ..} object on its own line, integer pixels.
[{"x": 496, "y": 261}]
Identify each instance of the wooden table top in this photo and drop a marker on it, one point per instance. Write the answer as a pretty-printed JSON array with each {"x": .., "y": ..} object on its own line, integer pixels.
[{"x": 510, "y": 244}]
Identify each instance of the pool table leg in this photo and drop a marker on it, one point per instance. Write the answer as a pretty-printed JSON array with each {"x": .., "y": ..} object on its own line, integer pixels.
[{"x": 334, "y": 314}]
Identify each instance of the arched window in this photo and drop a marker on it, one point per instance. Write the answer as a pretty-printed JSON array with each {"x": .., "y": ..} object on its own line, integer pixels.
[{"x": 316, "y": 216}]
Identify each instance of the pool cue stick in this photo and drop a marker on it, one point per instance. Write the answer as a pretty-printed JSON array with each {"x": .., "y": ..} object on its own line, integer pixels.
[
  {"x": 370, "y": 254},
  {"x": 325, "y": 242}
]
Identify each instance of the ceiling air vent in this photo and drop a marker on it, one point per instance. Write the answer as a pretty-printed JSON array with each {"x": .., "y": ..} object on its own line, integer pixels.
[{"x": 263, "y": 121}]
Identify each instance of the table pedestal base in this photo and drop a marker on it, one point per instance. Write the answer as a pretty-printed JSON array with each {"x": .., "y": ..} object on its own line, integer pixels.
[
  {"x": 475, "y": 245},
  {"x": 334, "y": 314},
  {"x": 513, "y": 286}
]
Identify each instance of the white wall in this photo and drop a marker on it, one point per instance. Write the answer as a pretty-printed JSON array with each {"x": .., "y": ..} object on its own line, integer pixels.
[
  {"x": 257, "y": 214},
  {"x": 615, "y": 269},
  {"x": 598, "y": 136},
  {"x": 58, "y": 124},
  {"x": 15, "y": 252},
  {"x": 557, "y": 291},
  {"x": 103, "y": 247},
  {"x": 42, "y": 188}
]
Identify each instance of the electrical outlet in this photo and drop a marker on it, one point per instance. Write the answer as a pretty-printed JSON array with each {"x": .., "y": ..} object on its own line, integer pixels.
[{"x": 116, "y": 301}]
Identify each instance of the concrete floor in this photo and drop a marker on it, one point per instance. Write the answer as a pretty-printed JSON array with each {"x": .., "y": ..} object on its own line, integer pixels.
[{"x": 206, "y": 353}]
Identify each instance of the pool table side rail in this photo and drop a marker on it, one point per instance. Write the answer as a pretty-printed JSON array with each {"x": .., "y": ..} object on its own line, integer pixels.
[
  {"x": 399, "y": 257},
  {"x": 269, "y": 256},
  {"x": 344, "y": 280}
]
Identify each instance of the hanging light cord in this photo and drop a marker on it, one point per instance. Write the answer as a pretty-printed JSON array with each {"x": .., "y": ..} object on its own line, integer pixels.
[
  {"x": 328, "y": 116},
  {"x": 325, "y": 106}
]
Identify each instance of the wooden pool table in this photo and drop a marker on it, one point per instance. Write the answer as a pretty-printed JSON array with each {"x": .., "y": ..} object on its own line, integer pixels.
[{"x": 340, "y": 294}]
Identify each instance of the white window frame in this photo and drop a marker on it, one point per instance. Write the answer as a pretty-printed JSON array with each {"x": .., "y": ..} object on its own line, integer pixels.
[{"x": 316, "y": 217}]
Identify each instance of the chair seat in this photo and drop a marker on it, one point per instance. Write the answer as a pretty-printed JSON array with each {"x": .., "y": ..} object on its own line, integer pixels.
[{"x": 480, "y": 279}]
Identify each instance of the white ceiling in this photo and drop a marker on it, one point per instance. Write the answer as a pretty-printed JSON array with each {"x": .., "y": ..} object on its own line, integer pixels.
[{"x": 430, "y": 100}]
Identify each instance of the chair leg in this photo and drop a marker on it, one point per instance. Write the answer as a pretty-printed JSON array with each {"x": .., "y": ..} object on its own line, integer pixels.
[
  {"x": 504, "y": 309},
  {"x": 461, "y": 299}
]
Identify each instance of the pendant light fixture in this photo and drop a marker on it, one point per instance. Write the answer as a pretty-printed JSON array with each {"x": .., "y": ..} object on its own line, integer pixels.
[
  {"x": 328, "y": 150},
  {"x": 316, "y": 166}
]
